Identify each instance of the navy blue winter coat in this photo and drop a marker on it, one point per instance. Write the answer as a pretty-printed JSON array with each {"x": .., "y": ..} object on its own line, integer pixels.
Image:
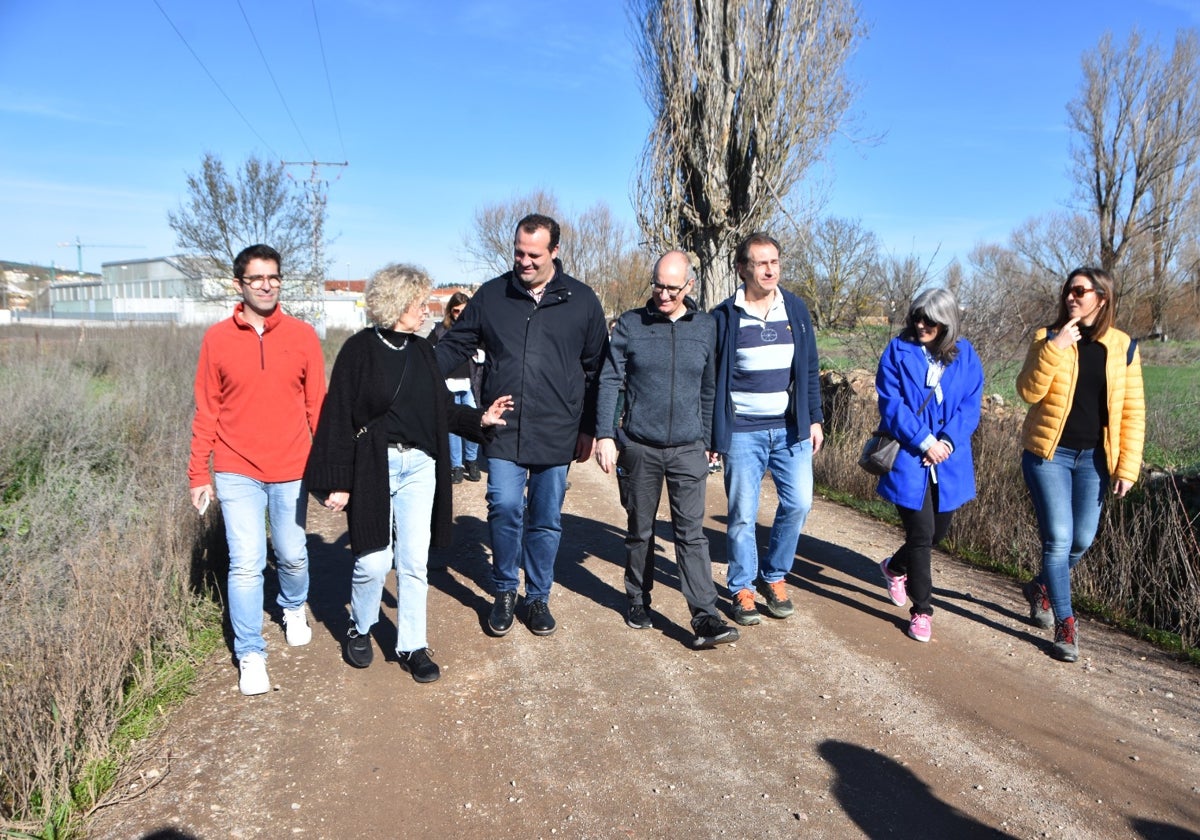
[{"x": 546, "y": 355}]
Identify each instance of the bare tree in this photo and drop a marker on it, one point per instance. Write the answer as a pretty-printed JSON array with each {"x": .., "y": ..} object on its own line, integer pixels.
[
  {"x": 596, "y": 247},
  {"x": 833, "y": 267},
  {"x": 489, "y": 242},
  {"x": 996, "y": 314},
  {"x": 1136, "y": 125},
  {"x": 745, "y": 96},
  {"x": 223, "y": 215}
]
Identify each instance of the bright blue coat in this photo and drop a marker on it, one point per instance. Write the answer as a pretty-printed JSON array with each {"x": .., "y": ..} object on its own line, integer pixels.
[{"x": 900, "y": 382}]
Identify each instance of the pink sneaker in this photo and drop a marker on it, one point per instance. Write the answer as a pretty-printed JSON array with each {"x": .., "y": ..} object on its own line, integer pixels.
[
  {"x": 897, "y": 586},
  {"x": 920, "y": 627}
]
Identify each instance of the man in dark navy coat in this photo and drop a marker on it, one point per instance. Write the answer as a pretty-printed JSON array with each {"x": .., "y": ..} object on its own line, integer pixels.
[{"x": 544, "y": 336}]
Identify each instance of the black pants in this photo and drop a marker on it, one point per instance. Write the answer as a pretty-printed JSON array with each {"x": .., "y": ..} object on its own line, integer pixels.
[
  {"x": 685, "y": 471},
  {"x": 923, "y": 529}
]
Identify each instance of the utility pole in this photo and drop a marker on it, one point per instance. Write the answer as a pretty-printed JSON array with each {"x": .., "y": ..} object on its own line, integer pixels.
[{"x": 315, "y": 291}]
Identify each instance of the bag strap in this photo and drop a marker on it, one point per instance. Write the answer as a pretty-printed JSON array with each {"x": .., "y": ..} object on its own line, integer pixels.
[
  {"x": 391, "y": 402},
  {"x": 928, "y": 397}
]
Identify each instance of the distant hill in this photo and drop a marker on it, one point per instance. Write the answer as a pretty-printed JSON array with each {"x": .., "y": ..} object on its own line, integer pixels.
[{"x": 13, "y": 272}]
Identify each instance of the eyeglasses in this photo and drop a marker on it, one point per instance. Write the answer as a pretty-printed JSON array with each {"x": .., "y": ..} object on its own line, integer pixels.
[
  {"x": 1078, "y": 292},
  {"x": 257, "y": 281},
  {"x": 772, "y": 264},
  {"x": 671, "y": 291}
]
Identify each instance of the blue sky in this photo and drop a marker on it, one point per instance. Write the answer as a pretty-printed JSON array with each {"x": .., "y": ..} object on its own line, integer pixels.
[{"x": 443, "y": 107}]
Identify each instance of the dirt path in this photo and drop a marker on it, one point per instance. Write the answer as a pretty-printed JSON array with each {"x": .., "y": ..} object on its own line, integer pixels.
[{"x": 830, "y": 724}]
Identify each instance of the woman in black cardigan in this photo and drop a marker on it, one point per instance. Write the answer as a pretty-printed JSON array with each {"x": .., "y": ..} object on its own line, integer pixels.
[{"x": 381, "y": 453}]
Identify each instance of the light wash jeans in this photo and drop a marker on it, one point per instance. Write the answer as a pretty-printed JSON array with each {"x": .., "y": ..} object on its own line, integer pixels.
[
  {"x": 412, "y": 479},
  {"x": 462, "y": 449},
  {"x": 749, "y": 457},
  {"x": 525, "y": 535},
  {"x": 244, "y": 504},
  {"x": 1068, "y": 495}
]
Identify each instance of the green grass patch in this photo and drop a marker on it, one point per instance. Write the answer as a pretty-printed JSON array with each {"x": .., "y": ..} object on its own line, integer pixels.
[{"x": 1172, "y": 415}]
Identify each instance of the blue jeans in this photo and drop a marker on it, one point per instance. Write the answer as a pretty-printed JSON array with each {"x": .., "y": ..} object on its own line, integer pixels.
[
  {"x": 244, "y": 504},
  {"x": 525, "y": 535},
  {"x": 462, "y": 449},
  {"x": 749, "y": 457},
  {"x": 1068, "y": 495},
  {"x": 412, "y": 480}
]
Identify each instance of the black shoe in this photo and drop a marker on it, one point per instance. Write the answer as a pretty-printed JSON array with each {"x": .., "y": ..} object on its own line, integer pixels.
[
  {"x": 537, "y": 614},
  {"x": 472, "y": 473},
  {"x": 456, "y": 475},
  {"x": 359, "y": 652},
  {"x": 638, "y": 617},
  {"x": 501, "y": 619},
  {"x": 712, "y": 631},
  {"x": 418, "y": 663}
]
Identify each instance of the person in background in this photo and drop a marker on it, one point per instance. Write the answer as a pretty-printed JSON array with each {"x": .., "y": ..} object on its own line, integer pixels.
[
  {"x": 930, "y": 385},
  {"x": 544, "y": 335},
  {"x": 767, "y": 416},
  {"x": 1083, "y": 433},
  {"x": 661, "y": 356},
  {"x": 382, "y": 454},
  {"x": 463, "y": 451},
  {"x": 260, "y": 381}
]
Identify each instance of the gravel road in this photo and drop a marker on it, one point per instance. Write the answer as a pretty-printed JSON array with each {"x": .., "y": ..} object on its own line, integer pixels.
[{"x": 830, "y": 724}]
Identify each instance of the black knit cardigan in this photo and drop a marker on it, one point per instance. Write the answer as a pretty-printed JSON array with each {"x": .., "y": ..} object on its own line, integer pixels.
[{"x": 344, "y": 459}]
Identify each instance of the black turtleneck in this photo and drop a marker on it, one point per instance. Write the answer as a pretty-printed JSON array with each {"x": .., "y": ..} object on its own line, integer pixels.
[
  {"x": 1089, "y": 409},
  {"x": 410, "y": 418}
]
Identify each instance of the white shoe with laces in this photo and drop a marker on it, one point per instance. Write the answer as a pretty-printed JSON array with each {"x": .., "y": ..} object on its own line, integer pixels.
[
  {"x": 254, "y": 679},
  {"x": 295, "y": 627}
]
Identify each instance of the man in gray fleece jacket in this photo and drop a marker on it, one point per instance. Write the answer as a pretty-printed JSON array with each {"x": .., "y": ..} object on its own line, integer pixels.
[{"x": 663, "y": 355}]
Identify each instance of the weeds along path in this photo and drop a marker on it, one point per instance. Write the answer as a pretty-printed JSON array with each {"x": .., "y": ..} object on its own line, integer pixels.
[{"x": 832, "y": 723}]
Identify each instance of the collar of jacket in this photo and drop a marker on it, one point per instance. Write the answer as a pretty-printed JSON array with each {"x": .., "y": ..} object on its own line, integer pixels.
[
  {"x": 269, "y": 323},
  {"x": 691, "y": 306},
  {"x": 556, "y": 289}
]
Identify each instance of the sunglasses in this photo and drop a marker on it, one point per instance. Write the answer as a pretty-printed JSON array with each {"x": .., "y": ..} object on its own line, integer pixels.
[
  {"x": 922, "y": 321},
  {"x": 1079, "y": 292}
]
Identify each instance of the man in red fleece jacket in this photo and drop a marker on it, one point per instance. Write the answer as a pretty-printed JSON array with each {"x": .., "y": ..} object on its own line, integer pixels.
[{"x": 259, "y": 386}]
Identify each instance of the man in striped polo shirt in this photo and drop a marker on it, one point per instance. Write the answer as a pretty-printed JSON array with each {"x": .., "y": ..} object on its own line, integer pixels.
[{"x": 767, "y": 416}]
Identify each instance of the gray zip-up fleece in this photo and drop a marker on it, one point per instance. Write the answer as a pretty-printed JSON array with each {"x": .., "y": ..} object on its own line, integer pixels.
[{"x": 667, "y": 369}]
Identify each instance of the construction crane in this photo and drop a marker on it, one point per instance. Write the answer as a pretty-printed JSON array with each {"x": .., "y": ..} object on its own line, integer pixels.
[{"x": 79, "y": 246}]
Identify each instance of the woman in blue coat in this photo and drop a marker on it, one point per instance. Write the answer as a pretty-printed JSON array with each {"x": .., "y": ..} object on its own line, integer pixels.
[{"x": 930, "y": 385}]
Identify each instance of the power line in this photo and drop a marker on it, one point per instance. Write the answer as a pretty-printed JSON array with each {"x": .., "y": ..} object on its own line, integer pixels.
[
  {"x": 213, "y": 79},
  {"x": 328, "y": 81},
  {"x": 263, "y": 56}
]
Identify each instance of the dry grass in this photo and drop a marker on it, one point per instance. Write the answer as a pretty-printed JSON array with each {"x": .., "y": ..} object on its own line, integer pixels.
[{"x": 99, "y": 550}]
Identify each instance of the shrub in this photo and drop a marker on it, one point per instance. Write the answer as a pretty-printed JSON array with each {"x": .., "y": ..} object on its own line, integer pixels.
[{"x": 98, "y": 545}]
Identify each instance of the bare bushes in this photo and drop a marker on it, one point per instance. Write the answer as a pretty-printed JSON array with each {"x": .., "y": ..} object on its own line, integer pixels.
[
  {"x": 1144, "y": 565},
  {"x": 96, "y": 544}
]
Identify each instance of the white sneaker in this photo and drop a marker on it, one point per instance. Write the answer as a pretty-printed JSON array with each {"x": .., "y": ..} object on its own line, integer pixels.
[
  {"x": 295, "y": 627},
  {"x": 254, "y": 679}
]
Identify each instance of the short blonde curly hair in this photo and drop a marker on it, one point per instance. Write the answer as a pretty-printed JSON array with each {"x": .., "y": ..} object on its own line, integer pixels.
[{"x": 393, "y": 289}]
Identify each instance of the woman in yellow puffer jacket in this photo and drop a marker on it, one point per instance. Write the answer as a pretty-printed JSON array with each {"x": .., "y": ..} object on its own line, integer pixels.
[{"x": 1084, "y": 430}]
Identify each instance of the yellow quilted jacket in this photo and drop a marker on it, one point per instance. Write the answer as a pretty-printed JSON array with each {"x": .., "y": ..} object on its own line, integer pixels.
[{"x": 1047, "y": 381}]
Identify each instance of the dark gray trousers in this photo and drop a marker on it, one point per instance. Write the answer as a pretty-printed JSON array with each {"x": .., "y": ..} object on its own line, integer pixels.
[{"x": 642, "y": 469}]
